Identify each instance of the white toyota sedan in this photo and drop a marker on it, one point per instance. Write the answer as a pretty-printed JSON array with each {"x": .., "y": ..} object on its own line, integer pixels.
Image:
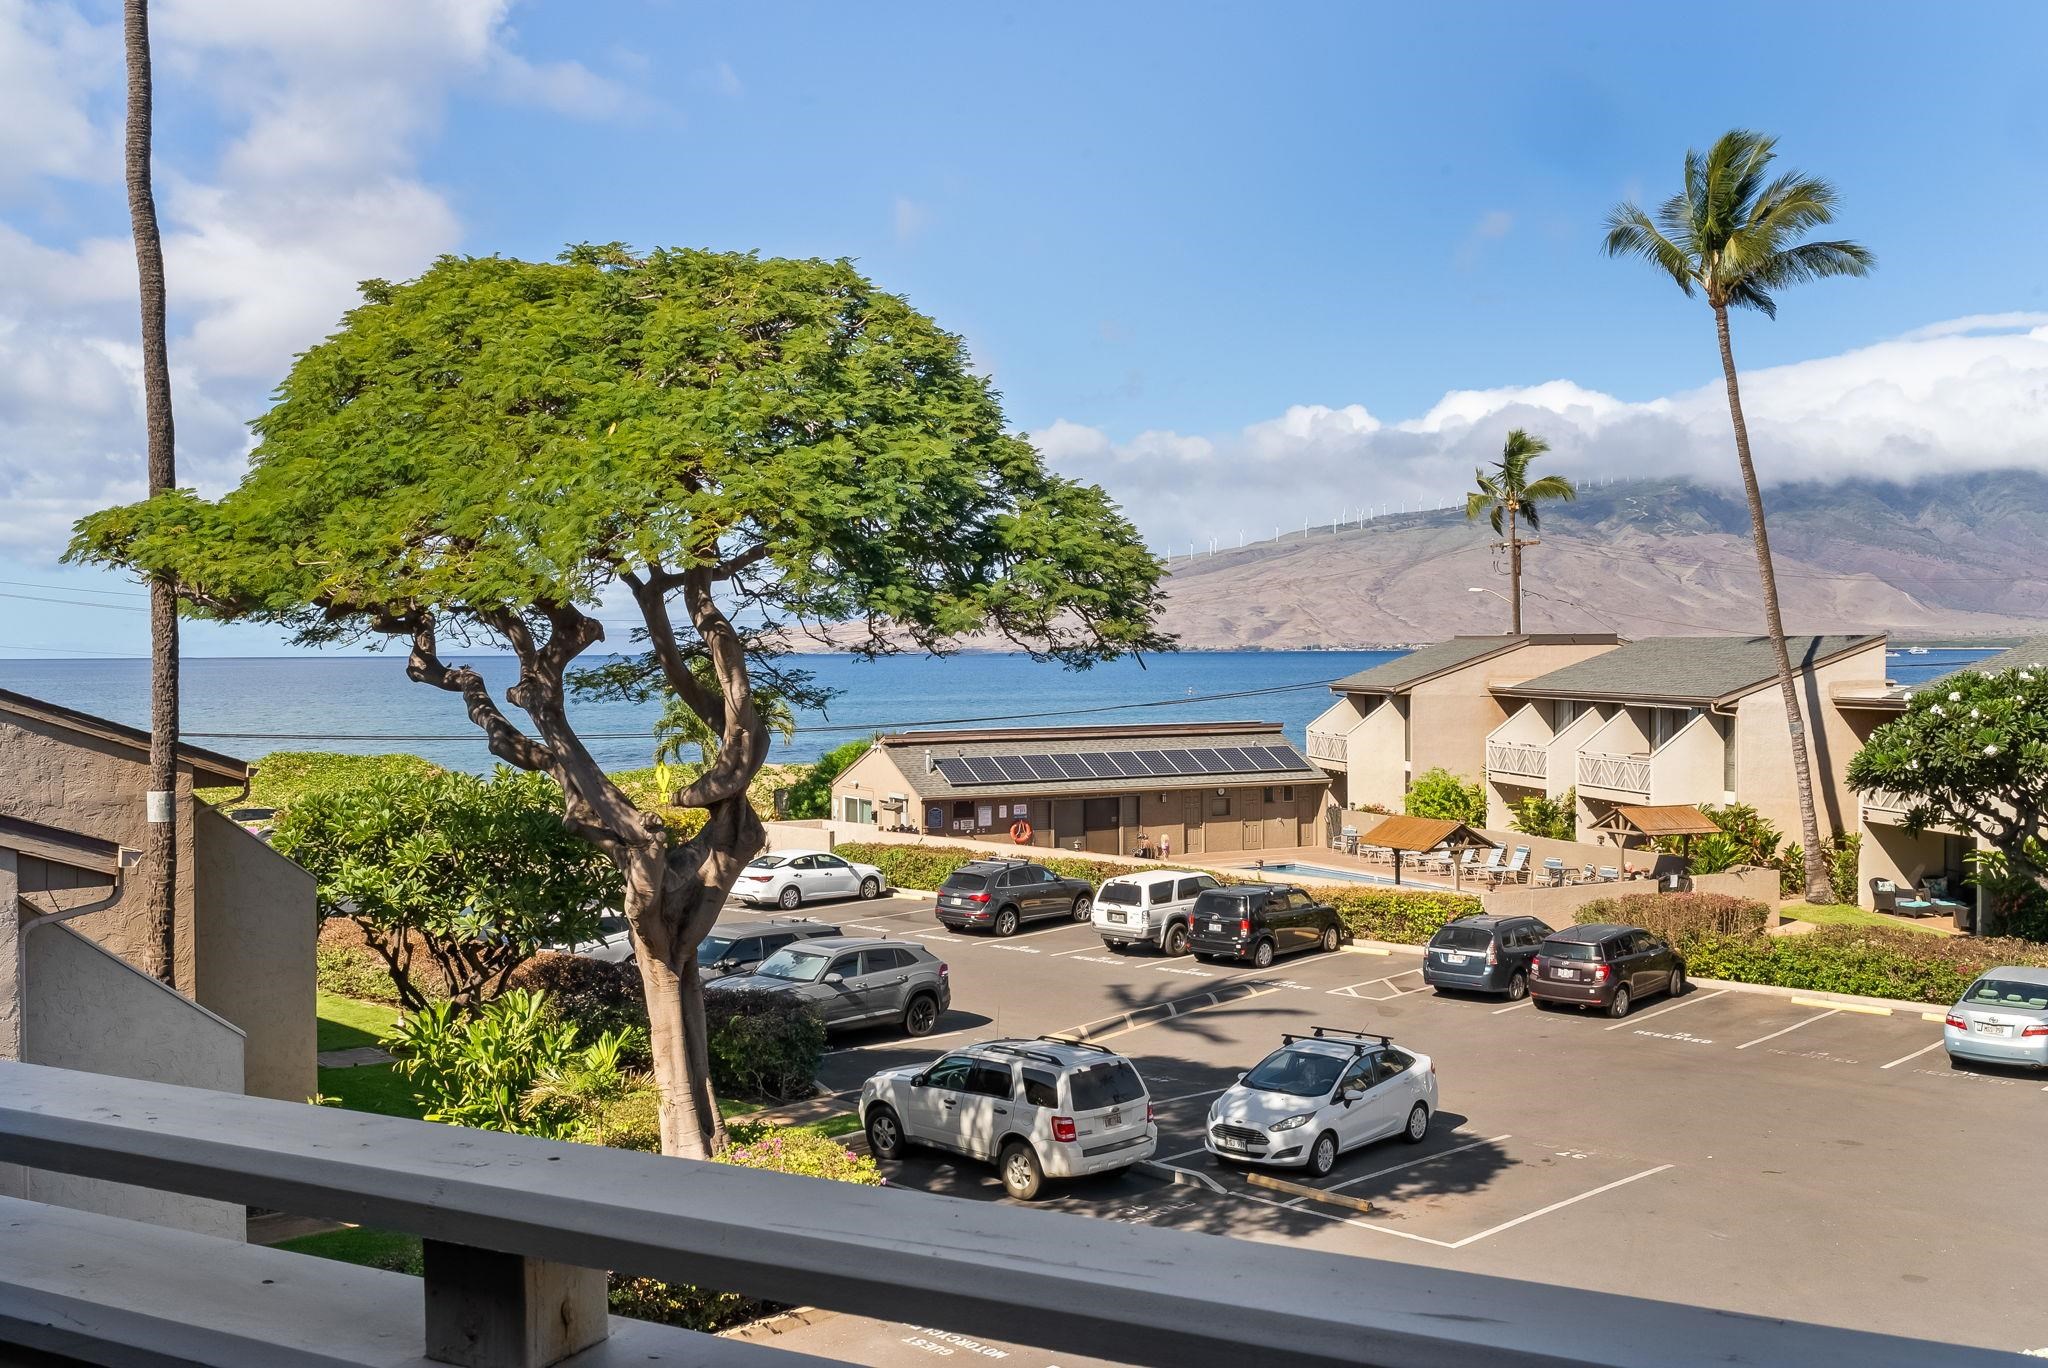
[
  {"x": 790, "y": 878},
  {"x": 1319, "y": 1095}
]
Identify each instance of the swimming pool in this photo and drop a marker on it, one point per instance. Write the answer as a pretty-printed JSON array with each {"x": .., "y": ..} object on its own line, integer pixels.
[{"x": 1308, "y": 871}]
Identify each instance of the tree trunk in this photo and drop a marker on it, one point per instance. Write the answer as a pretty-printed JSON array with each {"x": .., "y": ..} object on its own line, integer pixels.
[
  {"x": 1818, "y": 885},
  {"x": 1514, "y": 570},
  {"x": 160, "y": 868}
]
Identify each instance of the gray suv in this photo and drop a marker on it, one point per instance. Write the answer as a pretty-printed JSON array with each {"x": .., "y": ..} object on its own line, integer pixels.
[
  {"x": 739, "y": 947},
  {"x": 854, "y": 981}
]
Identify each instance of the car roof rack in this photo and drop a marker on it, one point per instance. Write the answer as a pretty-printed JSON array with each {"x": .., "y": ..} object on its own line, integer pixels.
[
  {"x": 1005, "y": 1047},
  {"x": 1359, "y": 1041},
  {"x": 1077, "y": 1044}
]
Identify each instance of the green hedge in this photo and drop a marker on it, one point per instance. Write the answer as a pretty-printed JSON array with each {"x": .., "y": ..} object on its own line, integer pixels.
[
  {"x": 1869, "y": 961},
  {"x": 1677, "y": 916},
  {"x": 1383, "y": 914}
]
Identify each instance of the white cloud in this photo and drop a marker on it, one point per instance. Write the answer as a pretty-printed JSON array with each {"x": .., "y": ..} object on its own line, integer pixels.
[
  {"x": 1965, "y": 395},
  {"x": 313, "y": 188},
  {"x": 909, "y": 217}
]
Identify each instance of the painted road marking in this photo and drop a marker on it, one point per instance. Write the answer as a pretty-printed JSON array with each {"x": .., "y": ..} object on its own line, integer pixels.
[
  {"x": 1426, "y": 1159},
  {"x": 1682, "y": 1002},
  {"x": 897, "y": 1043},
  {"x": 1819, "y": 1016},
  {"x": 1559, "y": 1206},
  {"x": 1525, "y": 1002},
  {"x": 1915, "y": 1055},
  {"x": 1186, "y": 1097},
  {"x": 1083, "y": 950},
  {"x": 1842, "y": 1006}
]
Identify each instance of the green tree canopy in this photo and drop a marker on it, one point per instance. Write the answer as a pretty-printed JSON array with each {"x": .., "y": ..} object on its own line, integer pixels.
[
  {"x": 811, "y": 795},
  {"x": 1441, "y": 794},
  {"x": 724, "y": 449},
  {"x": 475, "y": 874}
]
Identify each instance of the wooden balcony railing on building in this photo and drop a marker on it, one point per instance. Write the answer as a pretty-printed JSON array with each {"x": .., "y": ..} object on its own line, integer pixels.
[
  {"x": 517, "y": 1230},
  {"x": 1624, "y": 773},
  {"x": 1506, "y": 757},
  {"x": 1331, "y": 746}
]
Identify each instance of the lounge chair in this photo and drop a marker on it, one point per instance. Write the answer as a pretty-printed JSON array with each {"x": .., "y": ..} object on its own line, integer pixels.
[
  {"x": 1587, "y": 875},
  {"x": 1491, "y": 868},
  {"x": 1516, "y": 869},
  {"x": 1553, "y": 871},
  {"x": 1609, "y": 874},
  {"x": 1886, "y": 897}
]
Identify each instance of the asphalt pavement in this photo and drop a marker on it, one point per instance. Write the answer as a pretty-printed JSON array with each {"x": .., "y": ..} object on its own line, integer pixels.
[{"x": 1726, "y": 1149}]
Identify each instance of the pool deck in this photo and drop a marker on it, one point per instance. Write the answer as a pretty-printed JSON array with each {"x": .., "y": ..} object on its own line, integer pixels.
[{"x": 1325, "y": 858}]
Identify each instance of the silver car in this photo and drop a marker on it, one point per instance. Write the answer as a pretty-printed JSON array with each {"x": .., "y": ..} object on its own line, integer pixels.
[
  {"x": 855, "y": 981},
  {"x": 2002, "y": 1019}
]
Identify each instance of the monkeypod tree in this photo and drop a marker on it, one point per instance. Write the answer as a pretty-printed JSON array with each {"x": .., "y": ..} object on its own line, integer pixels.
[{"x": 724, "y": 450}]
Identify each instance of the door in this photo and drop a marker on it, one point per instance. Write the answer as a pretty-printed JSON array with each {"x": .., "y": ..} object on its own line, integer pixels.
[
  {"x": 1354, "y": 1123},
  {"x": 1303, "y": 930},
  {"x": 743, "y": 955},
  {"x": 983, "y": 1114},
  {"x": 935, "y": 1104},
  {"x": 841, "y": 1003},
  {"x": 1658, "y": 962},
  {"x": 884, "y": 982},
  {"x": 1066, "y": 822},
  {"x": 836, "y": 876},
  {"x": 1191, "y": 817},
  {"x": 1391, "y": 1094},
  {"x": 1251, "y": 834},
  {"x": 1101, "y": 829},
  {"x": 1646, "y": 970}
]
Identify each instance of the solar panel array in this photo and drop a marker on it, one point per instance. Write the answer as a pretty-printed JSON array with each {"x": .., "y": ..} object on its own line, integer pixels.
[{"x": 1087, "y": 766}]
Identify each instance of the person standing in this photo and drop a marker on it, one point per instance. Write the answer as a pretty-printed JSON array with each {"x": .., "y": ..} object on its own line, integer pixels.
[{"x": 1165, "y": 846}]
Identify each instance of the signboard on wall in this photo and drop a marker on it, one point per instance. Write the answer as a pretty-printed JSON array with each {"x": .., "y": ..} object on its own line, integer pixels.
[{"x": 985, "y": 815}]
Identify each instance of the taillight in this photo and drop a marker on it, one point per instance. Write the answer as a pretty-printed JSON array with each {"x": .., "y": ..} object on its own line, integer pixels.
[
  {"x": 1244, "y": 927},
  {"x": 2035, "y": 1031},
  {"x": 1492, "y": 954},
  {"x": 1536, "y": 964},
  {"x": 1600, "y": 972},
  {"x": 1149, "y": 1113},
  {"x": 977, "y": 897},
  {"x": 1957, "y": 1022},
  {"x": 1063, "y": 1128},
  {"x": 944, "y": 970}
]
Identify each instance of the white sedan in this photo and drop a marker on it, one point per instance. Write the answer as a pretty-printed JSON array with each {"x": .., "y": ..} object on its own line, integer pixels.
[
  {"x": 1318, "y": 1096},
  {"x": 790, "y": 878}
]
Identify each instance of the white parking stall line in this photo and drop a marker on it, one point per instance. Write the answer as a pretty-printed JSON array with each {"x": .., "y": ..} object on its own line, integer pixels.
[
  {"x": 1516, "y": 1007},
  {"x": 1396, "y": 1168},
  {"x": 1188, "y": 1097},
  {"x": 1184, "y": 1154},
  {"x": 1342, "y": 1220},
  {"x": 1682, "y": 1002},
  {"x": 1818, "y": 1016},
  {"x": 897, "y": 1043},
  {"x": 1204, "y": 1179},
  {"x": 1079, "y": 950},
  {"x": 1559, "y": 1206},
  {"x": 870, "y": 926},
  {"x": 1915, "y": 1055}
]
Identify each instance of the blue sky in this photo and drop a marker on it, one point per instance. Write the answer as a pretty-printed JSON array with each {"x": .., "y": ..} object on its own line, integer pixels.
[{"x": 1222, "y": 259}]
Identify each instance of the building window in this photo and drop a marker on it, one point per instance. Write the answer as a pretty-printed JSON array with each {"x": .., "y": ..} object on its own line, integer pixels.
[
  {"x": 1268, "y": 795},
  {"x": 1219, "y": 805},
  {"x": 857, "y": 810},
  {"x": 1287, "y": 793}
]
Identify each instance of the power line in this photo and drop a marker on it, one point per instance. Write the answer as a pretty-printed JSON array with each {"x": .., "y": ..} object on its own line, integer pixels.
[
  {"x": 74, "y": 589},
  {"x": 76, "y": 603},
  {"x": 70, "y": 651}
]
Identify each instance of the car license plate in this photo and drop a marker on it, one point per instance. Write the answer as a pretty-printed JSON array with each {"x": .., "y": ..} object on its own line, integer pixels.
[
  {"x": 1993, "y": 1029},
  {"x": 1453, "y": 959},
  {"x": 1566, "y": 973},
  {"x": 1117, "y": 917},
  {"x": 1229, "y": 1143},
  {"x": 1215, "y": 926}
]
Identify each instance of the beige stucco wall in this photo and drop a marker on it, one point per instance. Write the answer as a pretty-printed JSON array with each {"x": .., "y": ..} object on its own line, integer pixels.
[
  {"x": 1763, "y": 757},
  {"x": 874, "y": 777},
  {"x": 1690, "y": 767},
  {"x": 1450, "y": 716},
  {"x": 255, "y": 953},
  {"x": 1377, "y": 759},
  {"x": 86, "y": 1009}
]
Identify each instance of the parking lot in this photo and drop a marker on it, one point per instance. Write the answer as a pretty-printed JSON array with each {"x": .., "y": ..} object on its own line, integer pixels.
[{"x": 1730, "y": 1149}]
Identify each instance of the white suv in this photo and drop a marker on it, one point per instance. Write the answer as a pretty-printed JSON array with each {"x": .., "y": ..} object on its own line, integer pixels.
[
  {"x": 1036, "y": 1109},
  {"x": 1149, "y": 908},
  {"x": 1317, "y": 1096}
]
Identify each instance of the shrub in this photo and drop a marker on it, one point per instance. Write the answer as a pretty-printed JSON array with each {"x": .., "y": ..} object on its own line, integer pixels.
[
  {"x": 1441, "y": 794},
  {"x": 352, "y": 972},
  {"x": 763, "y": 1045},
  {"x": 284, "y": 777},
  {"x": 1679, "y": 916},
  {"x": 1845, "y": 855},
  {"x": 1385, "y": 914},
  {"x": 598, "y": 996},
  {"x": 510, "y": 1066},
  {"x": 1871, "y": 961},
  {"x": 811, "y": 794},
  {"x": 797, "y": 1149},
  {"x": 1554, "y": 818}
]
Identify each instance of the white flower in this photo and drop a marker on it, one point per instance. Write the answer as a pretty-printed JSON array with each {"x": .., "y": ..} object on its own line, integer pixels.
[
  {"x": 1955, "y": 696},
  {"x": 1974, "y": 714},
  {"x": 1991, "y": 750},
  {"x": 1936, "y": 710},
  {"x": 2026, "y": 678}
]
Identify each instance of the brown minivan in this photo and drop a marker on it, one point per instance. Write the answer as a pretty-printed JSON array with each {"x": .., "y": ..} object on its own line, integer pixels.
[{"x": 1604, "y": 966}]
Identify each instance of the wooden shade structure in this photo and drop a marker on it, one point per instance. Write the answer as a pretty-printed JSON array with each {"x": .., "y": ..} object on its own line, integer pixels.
[
  {"x": 1420, "y": 834},
  {"x": 1682, "y": 820}
]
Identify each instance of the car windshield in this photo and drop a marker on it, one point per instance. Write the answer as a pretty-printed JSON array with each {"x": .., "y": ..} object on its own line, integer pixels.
[
  {"x": 967, "y": 881},
  {"x": 798, "y": 966},
  {"x": 1120, "y": 894},
  {"x": 1571, "y": 950},
  {"x": 2008, "y": 993},
  {"x": 1297, "y": 1073},
  {"x": 711, "y": 950},
  {"x": 1462, "y": 938},
  {"x": 767, "y": 862},
  {"x": 1105, "y": 1085}
]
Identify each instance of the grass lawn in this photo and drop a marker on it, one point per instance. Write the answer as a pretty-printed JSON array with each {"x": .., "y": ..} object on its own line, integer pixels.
[
  {"x": 359, "y": 1245},
  {"x": 370, "y": 1088},
  {"x": 846, "y": 1123},
  {"x": 1846, "y": 914},
  {"x": 346, "y": 1023}
]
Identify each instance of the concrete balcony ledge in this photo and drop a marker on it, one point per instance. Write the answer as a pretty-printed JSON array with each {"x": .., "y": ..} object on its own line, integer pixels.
[
  {"x": 1136, "y": 1295},
  {"x": 1516, "y": 760}
]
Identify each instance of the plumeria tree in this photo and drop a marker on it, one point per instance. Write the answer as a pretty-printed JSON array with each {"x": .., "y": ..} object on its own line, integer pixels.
[
  {"x": 1971, "y": 754},
  {"x": 724, "y": 450}
]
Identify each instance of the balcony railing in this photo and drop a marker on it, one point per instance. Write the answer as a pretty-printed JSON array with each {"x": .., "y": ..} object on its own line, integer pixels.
[
  {"x": 1624, "y": 773},
  {"x": 1886, "y": 802},
  {"x": 516, "y": 1229},
  {"x": 1331, "y": 746},
  {"x": 1505, "y": 757}
]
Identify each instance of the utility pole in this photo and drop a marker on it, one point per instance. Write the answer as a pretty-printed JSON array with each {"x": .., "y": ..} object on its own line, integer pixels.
[{"x": 1514, "y": 544}]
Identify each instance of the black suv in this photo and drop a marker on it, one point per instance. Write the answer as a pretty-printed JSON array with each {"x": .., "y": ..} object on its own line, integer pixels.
[
  {"x": 1484, "y": 954},
  {"x": 1605, "y": 966},
  {"x": 736, "y": 947},
  {"x": 1259, "y": 922},
  {"x": 1001, "y": 895}
]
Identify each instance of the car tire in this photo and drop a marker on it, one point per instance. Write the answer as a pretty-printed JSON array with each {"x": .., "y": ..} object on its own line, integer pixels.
[
  {"x": 1330, "y": 940},
  {"x": 1417, "y": 1129},
  {"x": 1020, "y": 1171},
  {"x": 921, "y": 1015},
  {"x": 1677, "y": 988},
  {"x": 1006, "y": 922},
  {"x": 1176, "y": 939},
  {"x": 1617, "y": 1006},
  {"x": 1322, "y": 1156},
  {"x": 1114, "y": 947},
  {"x": 1262, "y": 955},
  {"x": 871, "y": 888},
  {"x": 1518, "y": 986},
  {"x": 1084, "y": 908},
  {"x": 885, "y": 1132},
  {"x": 790, "y": 898}
]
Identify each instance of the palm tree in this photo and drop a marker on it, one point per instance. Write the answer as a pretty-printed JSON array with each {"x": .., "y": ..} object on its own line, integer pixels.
[
  {"x": 679, "y": 727},
  {"x": 160, "y": 869},
  {"x": 1734, "y": 234},
  {"x": 1511, "y": 497}
]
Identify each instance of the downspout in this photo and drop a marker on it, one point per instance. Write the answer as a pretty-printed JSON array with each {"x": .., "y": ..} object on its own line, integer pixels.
[{"x": 49, "y": 918}]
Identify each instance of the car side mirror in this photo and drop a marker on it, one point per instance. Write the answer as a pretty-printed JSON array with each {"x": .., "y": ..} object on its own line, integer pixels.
[
  {"x": 835, "y": 977},
  {"x": 917, "y": 1082},
  {"x": 728, "y": 965}
]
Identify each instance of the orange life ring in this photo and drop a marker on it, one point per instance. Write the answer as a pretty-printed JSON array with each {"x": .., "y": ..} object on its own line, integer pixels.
[{"x": 1020, "y": 831}]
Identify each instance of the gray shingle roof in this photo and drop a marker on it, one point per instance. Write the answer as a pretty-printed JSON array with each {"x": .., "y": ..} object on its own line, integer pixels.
[
  {"x": 909, "y": 752},
  {"x": 1694, "y": 670}
]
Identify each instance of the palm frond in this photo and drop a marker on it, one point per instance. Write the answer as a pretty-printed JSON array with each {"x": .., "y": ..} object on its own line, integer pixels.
[
  {"x": 1815, "y": 261},
  {"x": 1748, "y": 294},
  {"x": 1551, "y": 487},
  {"x": 1631, "y": 233}
]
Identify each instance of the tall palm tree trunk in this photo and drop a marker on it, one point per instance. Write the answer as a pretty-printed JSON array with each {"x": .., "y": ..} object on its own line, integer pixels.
[
  {"x": 160, "y": 868},
  {"x": 1817, "y": 884},
  {"x": 1514, "y": 571}
]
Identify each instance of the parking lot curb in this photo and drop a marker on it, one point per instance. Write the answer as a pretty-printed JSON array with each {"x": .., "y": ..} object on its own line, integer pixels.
[
  {"x": 1373, "y": 947},
  {"x": 1841, "y": 1002},
  {"x": 768, "y": 1327}
]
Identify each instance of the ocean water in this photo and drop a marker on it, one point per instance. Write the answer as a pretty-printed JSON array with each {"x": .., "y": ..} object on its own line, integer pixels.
[
  {"x": 253, "y": 705},
  {"x": 250, "y": 706}
]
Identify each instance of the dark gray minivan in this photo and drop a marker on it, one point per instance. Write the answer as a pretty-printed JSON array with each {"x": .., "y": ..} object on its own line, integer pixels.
[{"x": 1484, "y": 954}]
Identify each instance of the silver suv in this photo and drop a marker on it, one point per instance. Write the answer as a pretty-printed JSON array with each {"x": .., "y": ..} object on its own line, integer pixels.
[
  {"x": 1036, "y": 1109},
  {"x": 1149, "y": 908},
  {"x": 854, "y": 981}
]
